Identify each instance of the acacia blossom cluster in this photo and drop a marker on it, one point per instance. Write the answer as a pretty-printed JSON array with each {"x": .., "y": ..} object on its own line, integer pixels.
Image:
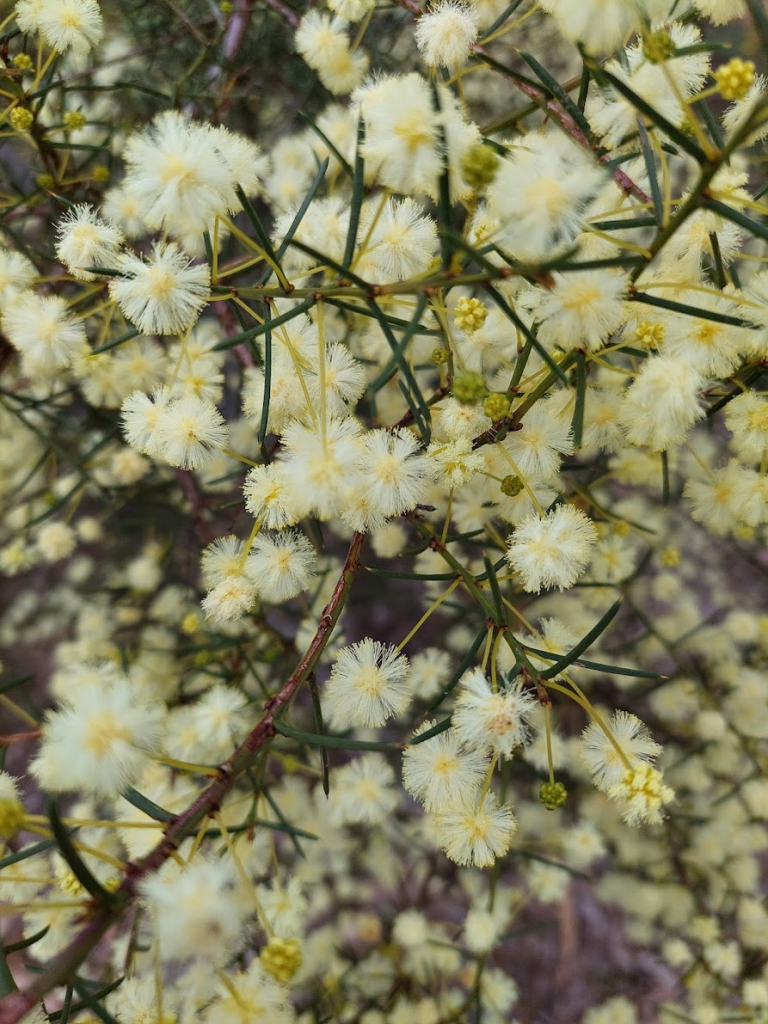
[{"x": 384, "y": 478}]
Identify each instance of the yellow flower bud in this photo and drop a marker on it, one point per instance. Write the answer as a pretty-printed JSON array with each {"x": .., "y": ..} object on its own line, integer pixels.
[
  {"x": 75, "y": 119},
  {"x": 735, "y": 78},
  {"x": 670, "y": 557},
  {"x": 190, "y": 623},
  {"x": 650, "y": 334},
  {"x": 470, "y": 315},
  {"x": 21, "y": 119},
  {"x": 496, "y": 406},
  {"x": 281, "y": 958}
]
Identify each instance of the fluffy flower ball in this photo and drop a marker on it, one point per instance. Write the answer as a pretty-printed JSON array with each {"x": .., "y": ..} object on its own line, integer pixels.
[
  {"x": 476, "y": 835},
  {"x": 41, "y": 328},
  {"x": 85, "y": 240},
  {"x": 643, "y": 794},
  {"x": 281, "y": 566},
  {"x": 487, "y": 719},
  {"x": 368, "y": 684},
  {"x": 601, "y": 756},
  {"x": 164, "y": 294},
  {"x": 445, "y": 34},
  {"x": 196, "y": 911},
  {"x": 74, "y": 25},
  {"x": 101, "y": 738},
  {"x": 554, "y": 551}
]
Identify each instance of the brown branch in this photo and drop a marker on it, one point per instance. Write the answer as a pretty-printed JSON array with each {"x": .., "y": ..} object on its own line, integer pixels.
[
  {"x": 287, "y": 12},
  {"x": 187, "y": 22},
  {"x": 408, "y": 417},
  {"x": 19, "y": 737},
  {"x": 99, "y": 918},
  {"x": 232, "y": 43},
  {"x": 562, "y": 118},
  {"x": 237, "y": 26}
]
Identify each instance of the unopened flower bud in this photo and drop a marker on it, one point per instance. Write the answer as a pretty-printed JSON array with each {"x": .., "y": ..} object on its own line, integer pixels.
[
  {"x": 469, "y": 387},
  {"x": 670, "y": 557},
  {"x": 553, "y": 795},
  {"x": 190, "y": 623},
  {"x": 69, "y": 883},
  {"x": 21, "y": 119},
  {"x": 470, "y": 315},
  {"x": 281, "y": 958},
  {"x": 479, "y": 166},
  {"x": 735, "y": 78},
  {"x": 75, "y": 119},
  {"x": 512, "y": 486},
  {"x": 11, "y": 816},
  {"x": 496, "y": 406},
  {"x": 650, "y": 334}
]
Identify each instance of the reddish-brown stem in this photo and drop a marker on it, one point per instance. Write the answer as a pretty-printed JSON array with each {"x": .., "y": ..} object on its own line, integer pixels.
[
  {"x": 19, "y": 737},
  {"x": 99, "y": 919},
  {"x": 237, "y": 26},
  {"x": 287, "y": 12},
  {"x": 569, "y": 126}
]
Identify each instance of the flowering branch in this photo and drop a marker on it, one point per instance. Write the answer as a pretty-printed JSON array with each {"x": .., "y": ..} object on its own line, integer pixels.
[
  {"x": 101, "y": 917},
  {"x": 552, "y": 107}
]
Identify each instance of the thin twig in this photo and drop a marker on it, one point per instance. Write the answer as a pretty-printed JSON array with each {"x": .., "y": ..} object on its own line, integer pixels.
[{"x": 287, "y": 12}]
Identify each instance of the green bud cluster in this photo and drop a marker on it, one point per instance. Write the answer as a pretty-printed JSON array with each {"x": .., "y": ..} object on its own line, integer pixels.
[
  {"x": 553, "y": 795},
  {"x": 469, "y": 388},
  {"x": 512, "y": 486},
  {"x": 496, "y": 405},
  {"x": 479, "y": 166}
]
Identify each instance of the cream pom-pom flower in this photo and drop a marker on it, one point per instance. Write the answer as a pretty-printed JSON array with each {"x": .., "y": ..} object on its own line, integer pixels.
[
  {"x": 475, "y": 834},
  {"x": 197, "y": 909},
  {"x": 75, "y": 25},
  {"x": 368, "y": 684},
  {"x": 164, "y": 294},
  {"x": 43, "y": 330},
  {"x": 601, "y": 756},
  {"x": 100, "y": 740},
  {"x": 643, "y": 793},
  {"x": 85, "y": 240},
  {"x": 441, "y": 771},
  {"x": 446, "y": 32},
  {"x": 488, "y": 719},
  {"x": 553, "y": 551},
  {"x": 281, "y": 566}
]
